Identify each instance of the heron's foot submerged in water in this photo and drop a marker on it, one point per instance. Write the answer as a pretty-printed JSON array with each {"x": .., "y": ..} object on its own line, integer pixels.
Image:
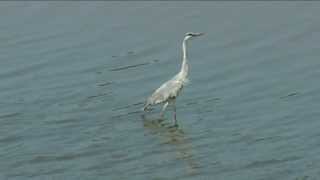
[
  {"x": 161, "y": 121},
  {"x": 175, "y": 126},
  {"x": 162, "y": 116}
]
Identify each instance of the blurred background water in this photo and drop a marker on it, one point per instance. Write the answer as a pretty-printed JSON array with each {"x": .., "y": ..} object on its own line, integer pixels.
[{"x": 74, "y": 76}]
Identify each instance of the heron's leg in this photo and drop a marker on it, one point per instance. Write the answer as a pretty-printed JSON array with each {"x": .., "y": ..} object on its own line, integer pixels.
[
  {"x": 163, "y": 109},
  {"x": 175, "y": 113}
]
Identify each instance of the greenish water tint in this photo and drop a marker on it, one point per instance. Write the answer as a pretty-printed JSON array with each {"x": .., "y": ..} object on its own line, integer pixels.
[{"x": 74, "y": 76}]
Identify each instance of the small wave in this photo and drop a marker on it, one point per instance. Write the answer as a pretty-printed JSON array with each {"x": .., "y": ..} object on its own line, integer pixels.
[{"x": 128, "y": 67}]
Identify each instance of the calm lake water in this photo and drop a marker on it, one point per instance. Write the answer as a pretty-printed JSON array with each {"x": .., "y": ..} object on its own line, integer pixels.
[{"x": 74, "y": 76}]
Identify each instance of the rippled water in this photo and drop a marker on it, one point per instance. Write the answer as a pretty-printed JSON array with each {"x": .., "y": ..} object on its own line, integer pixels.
[{"x": 74, "y": 76}]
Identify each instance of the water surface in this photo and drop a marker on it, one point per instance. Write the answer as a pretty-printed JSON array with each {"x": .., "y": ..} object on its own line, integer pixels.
[{"x": 74, "y": 76}]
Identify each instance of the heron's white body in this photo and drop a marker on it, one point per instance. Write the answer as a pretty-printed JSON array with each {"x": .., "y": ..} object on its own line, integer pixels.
[{"x": 168, "y": 91}]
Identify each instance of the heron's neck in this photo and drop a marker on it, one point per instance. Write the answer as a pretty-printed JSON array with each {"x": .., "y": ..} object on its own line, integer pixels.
[{"x": 184, "y": 67}]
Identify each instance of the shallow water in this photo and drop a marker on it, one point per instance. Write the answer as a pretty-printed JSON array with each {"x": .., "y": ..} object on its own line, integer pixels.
[{"x": 74, "y": 76}]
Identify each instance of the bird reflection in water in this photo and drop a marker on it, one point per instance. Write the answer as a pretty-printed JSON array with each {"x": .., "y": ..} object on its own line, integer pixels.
[{"x": 176, "y": 137}]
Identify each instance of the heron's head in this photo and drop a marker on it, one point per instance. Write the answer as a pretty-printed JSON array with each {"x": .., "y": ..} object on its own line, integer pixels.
[{"x": 191, "y": 35}]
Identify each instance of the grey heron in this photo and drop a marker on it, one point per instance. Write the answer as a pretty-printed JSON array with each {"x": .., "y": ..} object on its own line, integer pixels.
[{"x": 168, "y": 92}]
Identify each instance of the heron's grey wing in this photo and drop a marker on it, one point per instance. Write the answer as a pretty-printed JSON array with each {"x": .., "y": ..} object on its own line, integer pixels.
[{"x": 168, "y": 90}]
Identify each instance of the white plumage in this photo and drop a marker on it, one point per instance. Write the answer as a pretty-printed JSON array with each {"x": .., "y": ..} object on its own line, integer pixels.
[{"x": 168, "y": 92}]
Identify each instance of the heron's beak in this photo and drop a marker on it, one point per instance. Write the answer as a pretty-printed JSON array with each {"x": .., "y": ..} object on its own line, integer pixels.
[{"x": 199, "y": 34}]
